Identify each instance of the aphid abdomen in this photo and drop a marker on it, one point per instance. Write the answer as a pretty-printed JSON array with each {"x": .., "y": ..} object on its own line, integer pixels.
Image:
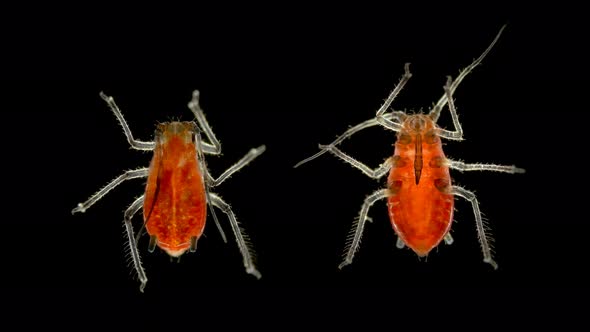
[
  {"x": 420, "y": 213},
  {"x": 175, "y": 206}
]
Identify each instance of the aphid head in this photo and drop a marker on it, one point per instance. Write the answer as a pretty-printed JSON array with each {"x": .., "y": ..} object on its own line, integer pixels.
[
  {"x": 182, "y": 131},
  {"x": 417, "y": 124}
]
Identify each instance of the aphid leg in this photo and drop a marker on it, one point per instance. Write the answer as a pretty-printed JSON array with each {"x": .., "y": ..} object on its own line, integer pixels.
[
  {"x": 129, "y": 213},
  {"x": 373, "y": 173},
  {"x": 395, "y": 115},
  {"x": 448, "y": 239},
  {"x": 137, "y": 145},
  {"x": 210, "y": 148},
  {"x": 456, "y": 135},
  {"x": 357, "y": 230},
  {"x": 399, "y": 243},
  {"x": 138, "y": 173},
  {"x": 251, "y": 155},
  {"x": 461, "y": 166},
  {"x": 435, "y": 113},
  {"x": 241, "y": 237},
  {"x": 483, "y": 239},
  {"x": 381, "y": 112}
]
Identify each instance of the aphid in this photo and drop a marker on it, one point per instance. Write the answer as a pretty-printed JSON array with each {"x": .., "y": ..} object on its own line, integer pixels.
[
  {"x": 420, "y": 196},
  {"x": 178, "y": 188}
]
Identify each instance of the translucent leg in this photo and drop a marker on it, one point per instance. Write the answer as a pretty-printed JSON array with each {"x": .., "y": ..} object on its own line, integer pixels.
[
  {"x": 461, "y": 166},
  {"x": 129, "y": 213},
  {"x": 357, "y": 230},
  {"x": 138, "y": 173},
  {"x": 251, "y": 155},
  {"x": 351, "y": 131},
  {"x": 373, "y": 173},
  {"x": 456, "y": 135},
  {"x": 380, "y": 113},
  {"x": 483, "y": 239},
  {"x": 241, "y": 237},
  {"x": 209, "y": 148},
  {"x": 137, "y": 145}
]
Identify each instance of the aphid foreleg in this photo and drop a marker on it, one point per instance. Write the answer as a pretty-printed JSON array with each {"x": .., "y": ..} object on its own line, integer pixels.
[
  {"x": 381, "y": 112},
  {"x": 483, "y": 239},
  {"x": 138, "y": 173},
  {"x": 359, "y": 226},
  {"x": 210, "y": 148},
  {"x": 372, "y": 173},
  {"x": 395, "y": 115},
  {"x": 458, "y": 133},
  {"x": 251, "y": 155},
  {"x": 137, "y": 145},
  {"x": 461, "y": 166},
  {"x": 435, "y": 113},
  {"x": 241, "y": 237},
  {"x": 129, "y": 213}
]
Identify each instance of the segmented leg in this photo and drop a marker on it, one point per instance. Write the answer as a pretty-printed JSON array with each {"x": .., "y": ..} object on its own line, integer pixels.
[
  {"x": 373, "y": 173},
  {"x": 435, "y": 113},
  {"x": 380, "y": 113},
  {"x": 209, "y": 148},
  {"x": 483, "y": 239},
  {"x": 461, "y": 166},
  {"x": 129, "y": 213},
  {"x": 138, "y": 173},
  {"x": 241, "y": 237},
  {"x": 251, "y": 155},
  {"x": 456, "y": 135},
  {"x": 359, "y": 226},
  {"x": 136, "y": 144},
  {"x": 351, "y": 131}
]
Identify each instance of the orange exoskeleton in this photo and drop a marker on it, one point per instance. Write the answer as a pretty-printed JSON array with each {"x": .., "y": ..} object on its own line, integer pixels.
[
  {"x": 178, "y": 188},
  {"x": 419, "y": 190}
]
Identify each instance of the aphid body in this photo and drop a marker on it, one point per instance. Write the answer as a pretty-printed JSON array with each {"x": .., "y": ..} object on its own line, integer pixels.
[
  {"x": 175, "y": 205},
  {"x": 178, "y": 187},
  {"x": 420, "y": 201},
  {"x": 419, "y": 193}
]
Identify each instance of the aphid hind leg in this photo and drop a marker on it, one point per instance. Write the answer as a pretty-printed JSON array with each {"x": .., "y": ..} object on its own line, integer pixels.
[
  {"x": 461, "y": 166},
  {"x": 251, "y": 155},
  {"x": 373, "y": 173},
  {"x": 138, "y": 173},
  {"x": 381, "y": 112},
  {"x": 358, "y": 228},
  {"x": 483, "y": 239},
  {"x": 214, "y": 147},
  {"x": 136, "y": 144},
  {"x": 241, "y": 237},
  {"x": 129, "y": 213}
]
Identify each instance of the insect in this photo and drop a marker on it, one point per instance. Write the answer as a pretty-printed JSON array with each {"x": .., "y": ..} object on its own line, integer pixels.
[
  {"x": 419, "y": 193},
  {"x": 178, "y": 188}
]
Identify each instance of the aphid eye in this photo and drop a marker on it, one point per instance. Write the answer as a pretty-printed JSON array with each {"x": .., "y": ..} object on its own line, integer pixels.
[
  {"x": 404, "y": 138},
  {"x": 431, "y": 137},
  {"x": 194, "y": 138}
]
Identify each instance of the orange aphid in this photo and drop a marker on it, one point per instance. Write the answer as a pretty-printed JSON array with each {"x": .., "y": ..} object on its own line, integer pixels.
[
  {"x": 419, "y": 190},
  {"x": 178, "y": 188}
]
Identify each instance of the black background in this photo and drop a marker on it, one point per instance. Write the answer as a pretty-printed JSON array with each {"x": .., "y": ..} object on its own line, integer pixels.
[{"x": 290, "y": 79}]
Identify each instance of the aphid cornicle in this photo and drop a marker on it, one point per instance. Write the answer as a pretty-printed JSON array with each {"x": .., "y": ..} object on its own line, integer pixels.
[
  {"x": 420, "y": 196},
  {"x": 178, "y": 188}
]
